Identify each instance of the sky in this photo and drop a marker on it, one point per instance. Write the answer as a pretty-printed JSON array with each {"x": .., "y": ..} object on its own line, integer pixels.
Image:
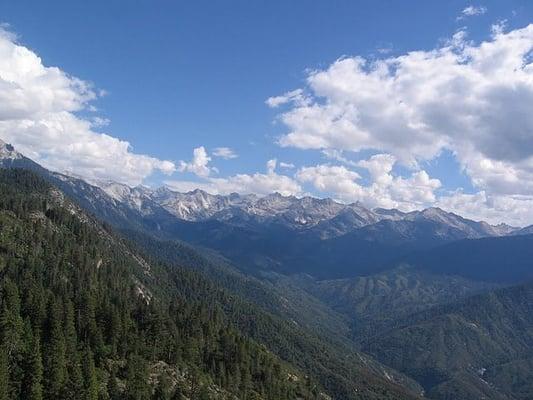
[{"x": 395, "y": 104}]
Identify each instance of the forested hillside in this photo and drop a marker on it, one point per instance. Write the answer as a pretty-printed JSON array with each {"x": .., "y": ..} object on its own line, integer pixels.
[
  {"x": 478, "y": 348},
  {"x": 123, "y": 309},
  {"x": 82, "y": 312},
  {"x": 271, "y": 318},
  {"x": 79, "y": 321},
  {"x": 375, "y": 302}
]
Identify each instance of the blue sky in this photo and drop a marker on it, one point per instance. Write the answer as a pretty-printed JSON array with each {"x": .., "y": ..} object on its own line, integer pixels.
[{"x": 184, "y": 75}]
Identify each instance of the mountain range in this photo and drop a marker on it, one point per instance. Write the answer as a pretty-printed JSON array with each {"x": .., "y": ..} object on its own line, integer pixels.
[
  {"x": 355, "y": 302},
  {"x": 324, "y": 217}
]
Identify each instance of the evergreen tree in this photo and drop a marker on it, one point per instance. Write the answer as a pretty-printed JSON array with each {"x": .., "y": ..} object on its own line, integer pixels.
[
  {"x": 89, "y": 375},
  {"x": 75, "y": 381},
  {"x": 56, "y": 368},
  {"x": 32, "y": 388},
  {"x": 162, "y": 390},
  {"x": 112, "y": 387},
  {"x": 137, "y": 387},
  {"x": 36, "y": 388},
  {"x": 4, "y": 374},
  {"x": 11, "y": 323}
]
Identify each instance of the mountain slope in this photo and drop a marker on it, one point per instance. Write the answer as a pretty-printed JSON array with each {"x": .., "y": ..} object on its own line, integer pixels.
[
  {"x": 471, "y": 349},
  {"x": 291, "y": 330},
  {"x": 87, "y": 313},
  {"x": 93, "y": 199},
  {"x": 154, "y": 284},
  {"x": 375, "y": 302}
]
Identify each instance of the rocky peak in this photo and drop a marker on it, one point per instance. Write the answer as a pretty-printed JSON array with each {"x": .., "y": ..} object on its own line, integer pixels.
[{"x": 8, "y": 152}]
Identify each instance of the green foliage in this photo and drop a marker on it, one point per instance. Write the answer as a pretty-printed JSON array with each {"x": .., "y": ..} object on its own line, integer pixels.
[
  {"x": 374, "y": 303},
  {"x": 82, "y": 316},
  {"x": 480, "y": 347},
  {"x": 32, "y": 387},
  {"x": 4, "y": 374},
  {"x": 271, "y": 320}
]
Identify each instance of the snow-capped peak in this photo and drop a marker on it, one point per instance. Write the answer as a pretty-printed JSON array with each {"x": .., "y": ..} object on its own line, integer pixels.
[{"x": 8, "y": 152}]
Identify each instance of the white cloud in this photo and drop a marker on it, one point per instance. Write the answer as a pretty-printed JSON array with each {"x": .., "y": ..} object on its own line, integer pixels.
[
  {"x": 338, "y": 180},
  {"x": 257, "y": 183},
  {"x": 472, "y": 99},
  {"x": 271, "y": 166},
  {"x": 471, "y": 11},
  {"x": 260, "y": 184},
  {"x": 38, "y": 114},
  {"x": 224, "y": 152},
  {"x": 494, "y": 209},
  {"x": 385, "y": 49},
  {"x": 286, "y": 165},
  {"x": 379, "y": 166},
  {"x": 385, "y": 190},
  {"x": 199, "y": 163},
  {"x": 337, "y": 155},
  {"x": 296, "y": 96},
  {"x": 499, "y": 27},
  {"x": 99, "y": 122}
]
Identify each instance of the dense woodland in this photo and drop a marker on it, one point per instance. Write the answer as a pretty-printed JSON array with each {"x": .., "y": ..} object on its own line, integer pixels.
[
  {"x": 269, "y": 318},
  {"x": 78, "y": 319},
  {"x": 480, "y": 347}
]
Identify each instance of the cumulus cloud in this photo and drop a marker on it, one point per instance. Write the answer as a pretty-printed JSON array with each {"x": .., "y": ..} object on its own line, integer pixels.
[
  {"x": 472, "y": 99},
  {"x": 385, "y": 190},
  {"x": 199, "y": 163},
  {"x": 224, "y": 152},
  {"x": 39, "y": 108},
  {"x": 332, "y": 179}
]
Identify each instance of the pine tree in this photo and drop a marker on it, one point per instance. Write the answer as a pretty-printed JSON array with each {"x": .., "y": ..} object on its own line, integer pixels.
[
  {"x": 33, "y": 388},
  {"x": 70, "y": 328},
  {"x": 11, "y": 323},
  {"x": 75, "y": 381},
  {"x": 162, "y": 390},
  {"x": 112, "y": 387},
  {"x": 12, "y": 332},
  {"x": 89, "y": 375},
  {"x": 65, "y": 326},
  {"x": 137, "y": 387},
  {"x": 4, "y": 374},
  {"x": 56, "y": 368}
]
